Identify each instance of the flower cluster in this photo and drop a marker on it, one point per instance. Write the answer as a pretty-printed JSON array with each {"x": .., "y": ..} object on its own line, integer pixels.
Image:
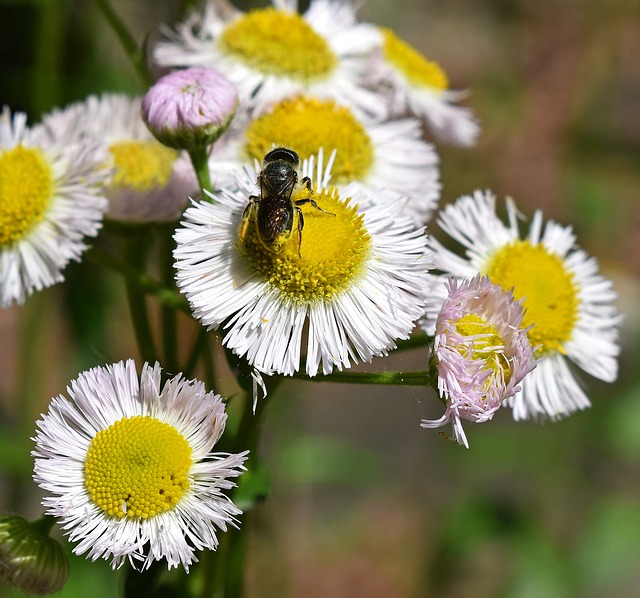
[{"x": 296, "y": 180}]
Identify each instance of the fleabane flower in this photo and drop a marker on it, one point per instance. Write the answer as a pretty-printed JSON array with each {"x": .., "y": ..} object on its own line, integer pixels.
[
  {"x": 568, "y": 305},
  {"x": 50, "y": 200},
  {"x": 480, "y": 352},
  {"x": 380, "y": 155},
  {"x": 151, "y": 182},
  {"x": 190, "y": 108},
  {"x": 421, "y": 86},
  {"x": 354, "y": 277},
  {"x": 127, "y": 465},
  {"x": 275, "y": 52}
]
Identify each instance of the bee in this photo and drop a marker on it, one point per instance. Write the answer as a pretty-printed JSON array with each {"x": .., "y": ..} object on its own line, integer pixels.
[{"x": 275, "y": 211}]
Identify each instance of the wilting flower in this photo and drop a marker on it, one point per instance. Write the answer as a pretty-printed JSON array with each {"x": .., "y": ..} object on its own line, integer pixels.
[
  {"x": 127, "y": 466},
  {"x": 480, "y": 352},
  {"x": 568, "y": 306}
]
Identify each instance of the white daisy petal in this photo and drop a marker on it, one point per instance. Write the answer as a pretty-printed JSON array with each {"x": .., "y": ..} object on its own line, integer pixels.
[
  {"x": 274, "y": 53},
  {"x": 87, "y": 446},
  {"x": 356, "y": 283},
  {"x": 45, "y": 214},
  {"x": 151, "y": 182},
  {"x": 388, "y": 155}
]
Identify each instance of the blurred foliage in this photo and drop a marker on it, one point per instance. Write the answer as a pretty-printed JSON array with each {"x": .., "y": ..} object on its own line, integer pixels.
[{"x": 364, "y": 502}]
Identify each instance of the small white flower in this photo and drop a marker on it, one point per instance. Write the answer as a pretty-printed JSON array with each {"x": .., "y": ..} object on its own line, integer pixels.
[
  {"x": 50, "y": 199},
  {"x": 128, "y": 467},
  {"x": 355, "y": 283},
  {"x": 422, "y": 87},
  {"x": 275, "y": 52},
  {"x": 380, "y": 155},
  {"x": 151, "y": 182},
  {"x": 481, "y": 352},
  {"x": 568, "y": 305}
]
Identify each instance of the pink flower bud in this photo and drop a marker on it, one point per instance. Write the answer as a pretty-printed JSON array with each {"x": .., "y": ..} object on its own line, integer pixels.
[{"x": 190, "y": 108}]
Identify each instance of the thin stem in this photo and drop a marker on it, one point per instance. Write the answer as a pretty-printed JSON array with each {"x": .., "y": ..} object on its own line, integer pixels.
[
  {"x": 137, "y": 250},
  {"x": 200, "y": 160},
  {"x": 169, "y": 314},
  {"x": 168, "y": 297},
  {"x": 133, "y": 51},
  {"x": 418, "y": 378}
]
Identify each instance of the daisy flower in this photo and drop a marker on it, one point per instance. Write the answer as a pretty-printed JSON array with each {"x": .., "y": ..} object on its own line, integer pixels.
[
  {"x": 356, "y": 282},
  {"x": 481, "y": 352},
  {"x": 275, "y": 52},
  {"x": 390, "y": 154},
  {"x": 151, "y": 182},
  {"x": 128, "y": 468},
  {"x": 50, "y": 200},
  {"x": 421, "y": 87},
  {"x": 568, "y": 305}
]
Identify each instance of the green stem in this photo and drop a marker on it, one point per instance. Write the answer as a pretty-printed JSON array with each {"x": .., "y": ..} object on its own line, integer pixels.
[
  {"x": 168, "y": 297},
  {"x": 200, "y": 160},
  {"x": 419, "y": 378},
  {"x": 169, "y": 314},
  {"x": 133, "y": 51},
  {"x": 137, "y": 251}
]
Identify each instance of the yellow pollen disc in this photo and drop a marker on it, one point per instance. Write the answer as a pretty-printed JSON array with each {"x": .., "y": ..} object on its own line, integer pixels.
[
  {"x": 138, "y": 467},
  {"x": 307, "y": 124},
  {"x": 546, "y": 287},
  {"x": 411, "y": 63},
  {"x": 280, "y": 43},
  {"x": 334, "y": 250},
  {"x": 142, "y": 165},
  {"x": 488, "y": 345},
  {"x": 26, "y": 190}
]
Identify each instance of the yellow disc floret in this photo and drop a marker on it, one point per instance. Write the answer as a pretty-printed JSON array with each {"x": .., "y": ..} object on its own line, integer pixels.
[
  {"x": 334, "y": 250},
  {"x": 26, "y": 190},
  {"x": 413, "y": 65},
  {"x": 142, "y": 165},
  {"x": 138, "y": 467},
  {"x": 307, "y": 124},
  {"x": 280, "y": 43},
  {"x": 487, "y": 344},
  {"x": 549, "y": 296}
]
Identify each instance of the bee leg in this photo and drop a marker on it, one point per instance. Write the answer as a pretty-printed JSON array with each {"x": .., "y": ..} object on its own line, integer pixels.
[
  {"x": 302, "y": 202},
  {"x": 246, "y": 218},
  {"x": 300, "y": 227},
  {"x": 306, "y": 181}
]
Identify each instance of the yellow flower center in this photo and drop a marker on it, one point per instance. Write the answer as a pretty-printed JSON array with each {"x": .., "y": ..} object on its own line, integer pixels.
[
  {"x": 138, "y": 467},
  {"x": 280, "y": 43},
  {"x": 413, "y": 65},
  {"x": 333, "y": 253},
  {"x": 487, "y": 344},
  {"x": 547, "y": 290},
  {"x": 142, "y": 165},
  {"x": 307, "y": 124},
  {"x": 26, "y": 190}
]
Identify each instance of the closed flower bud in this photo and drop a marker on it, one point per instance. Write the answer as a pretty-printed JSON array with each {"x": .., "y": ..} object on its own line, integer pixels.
[
  {"x": 190, "y": 108},
  {"x": 29, "y": 559}
]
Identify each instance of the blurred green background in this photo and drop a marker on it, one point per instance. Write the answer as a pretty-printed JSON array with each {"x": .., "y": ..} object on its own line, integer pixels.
[{"x": 364, "y": 502}]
